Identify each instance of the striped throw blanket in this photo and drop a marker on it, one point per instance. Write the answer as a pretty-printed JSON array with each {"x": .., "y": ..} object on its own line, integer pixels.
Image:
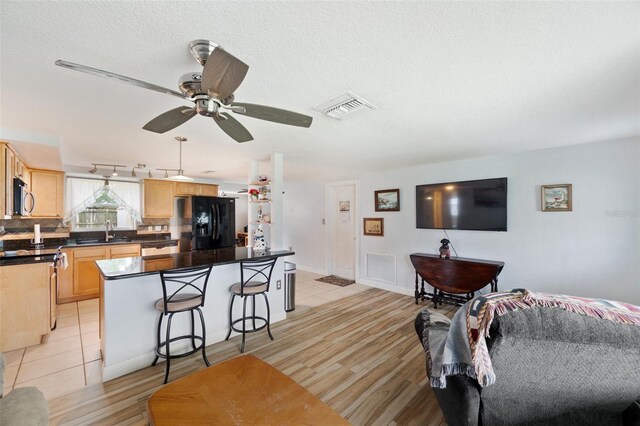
[
  {"x": 481, "y": 310},
  {"x": 456, "y": 353}
]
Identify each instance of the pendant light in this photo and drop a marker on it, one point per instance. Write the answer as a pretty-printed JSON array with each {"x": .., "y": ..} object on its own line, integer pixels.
[
  {"x": 115, "y": 172},
  {"x": 180, "y": 176}
]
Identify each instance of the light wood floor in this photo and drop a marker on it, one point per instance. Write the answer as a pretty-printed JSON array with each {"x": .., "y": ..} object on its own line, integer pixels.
[{"x": 360, "y": 355}]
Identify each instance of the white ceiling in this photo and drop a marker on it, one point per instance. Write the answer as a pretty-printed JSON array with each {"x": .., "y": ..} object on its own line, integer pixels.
[{"x": 450, "y": 79}]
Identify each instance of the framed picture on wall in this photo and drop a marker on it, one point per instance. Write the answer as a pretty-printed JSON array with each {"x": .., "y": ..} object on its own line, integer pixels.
[
  {"x": 373, "y": 226},
  {"x": 556, "y": 198},
  {"x": 387, "y": 200}
]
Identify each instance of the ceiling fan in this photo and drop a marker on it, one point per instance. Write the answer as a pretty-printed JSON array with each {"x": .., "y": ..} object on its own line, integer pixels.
[{"x": 211, "y": 91}]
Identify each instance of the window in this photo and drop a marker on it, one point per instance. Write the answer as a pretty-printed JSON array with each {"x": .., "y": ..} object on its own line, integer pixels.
[{"x": 90, "y": 203}]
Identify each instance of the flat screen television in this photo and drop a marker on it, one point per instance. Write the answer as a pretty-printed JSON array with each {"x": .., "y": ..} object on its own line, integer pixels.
[{"x": 474, "y": 205}]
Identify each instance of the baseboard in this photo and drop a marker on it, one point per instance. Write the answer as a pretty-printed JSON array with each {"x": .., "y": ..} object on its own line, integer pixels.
[
  {"x": 312, "y": 270},
  {"x": 143, "y": 361},
  {"x": 387, "y": 287}
]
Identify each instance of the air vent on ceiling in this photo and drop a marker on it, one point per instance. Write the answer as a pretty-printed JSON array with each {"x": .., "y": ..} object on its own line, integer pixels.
[{"x": 347, "y": 105}]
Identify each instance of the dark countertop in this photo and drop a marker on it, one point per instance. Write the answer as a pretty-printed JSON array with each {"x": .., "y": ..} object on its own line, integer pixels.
[
  {"x": 135, "y": 266},
  {"x": 23, "y": 256},
  {"x": 41, "y": 257}
]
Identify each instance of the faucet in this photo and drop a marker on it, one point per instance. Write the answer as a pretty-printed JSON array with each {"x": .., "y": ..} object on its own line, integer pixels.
[{"x": 107, "y": 237}]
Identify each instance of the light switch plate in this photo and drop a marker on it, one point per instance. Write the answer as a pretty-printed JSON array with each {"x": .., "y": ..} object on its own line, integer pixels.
[{"x": 278, "y": 284}]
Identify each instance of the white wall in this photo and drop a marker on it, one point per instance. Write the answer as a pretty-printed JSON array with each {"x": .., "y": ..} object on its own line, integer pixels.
[
  {"x": 303, "y": 212},
  {"x": 242, "y": 218},
  {"x": 592, "y": 251}
]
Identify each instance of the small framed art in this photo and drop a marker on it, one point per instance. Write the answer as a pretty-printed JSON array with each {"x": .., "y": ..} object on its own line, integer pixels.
[
  {"x": 556, "y": 198},
  {"x": 373, "y": 226},
  {"x": 387, "y": 200}
]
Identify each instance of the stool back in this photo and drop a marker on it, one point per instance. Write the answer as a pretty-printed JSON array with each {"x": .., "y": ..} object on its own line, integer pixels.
[
  {"x": 177, "y": 284},
  {"x": 255, "y": 273}
]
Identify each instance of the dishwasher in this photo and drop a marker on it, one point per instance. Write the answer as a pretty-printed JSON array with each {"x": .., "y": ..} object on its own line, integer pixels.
[{"x": 155, "y": 248}]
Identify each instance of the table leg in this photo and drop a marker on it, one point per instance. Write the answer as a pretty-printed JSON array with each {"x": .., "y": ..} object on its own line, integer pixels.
[{"x": 416, "y": 292}]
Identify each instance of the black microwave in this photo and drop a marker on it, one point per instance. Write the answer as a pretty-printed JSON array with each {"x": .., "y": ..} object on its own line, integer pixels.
[{"x": 23, "y": 200}]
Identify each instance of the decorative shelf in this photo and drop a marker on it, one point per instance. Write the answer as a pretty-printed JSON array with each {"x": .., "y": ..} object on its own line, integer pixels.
[
  {"x": 260, "y": 223},
  {"x": 266, "y": 183},
  {"x": 260, "y": 201}
]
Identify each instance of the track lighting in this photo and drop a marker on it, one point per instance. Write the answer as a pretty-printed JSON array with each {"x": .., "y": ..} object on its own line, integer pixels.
[
  {"x": 117, "y": 166},
  {"x": 166, "y": 174},
  {"x": 150, "y": 175}
]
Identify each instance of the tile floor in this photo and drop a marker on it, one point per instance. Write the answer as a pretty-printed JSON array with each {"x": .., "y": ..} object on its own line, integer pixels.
[{"x": 70, "y": 359}]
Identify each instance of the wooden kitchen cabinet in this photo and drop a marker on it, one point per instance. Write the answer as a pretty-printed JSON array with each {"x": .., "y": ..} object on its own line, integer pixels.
[
  {"x": 24, "y": 305},
  {"x": 158, "y": 198},
  {"x": 128, "y": 250},
  {"x": 207, "y": 190},
  {"x": 186, "y": 189},
  {"x": 48, "y": 191},
  {"x": 86, "y": 277},
  {"x": 164, "y": 263},
  {"x": 81, "y": 279}
]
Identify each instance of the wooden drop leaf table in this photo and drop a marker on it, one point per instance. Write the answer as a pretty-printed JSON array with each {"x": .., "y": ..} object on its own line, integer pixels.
[
  {"x": 240, "y": 391},
  {"x": 453, "y": 280}
]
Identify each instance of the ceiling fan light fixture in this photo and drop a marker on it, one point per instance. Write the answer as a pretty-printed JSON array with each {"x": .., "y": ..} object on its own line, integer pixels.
[{"x": 202, "y": 49}]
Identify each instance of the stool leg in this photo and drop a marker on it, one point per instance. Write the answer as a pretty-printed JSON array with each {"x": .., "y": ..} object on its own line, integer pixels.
[
  {"x": 166, "y": 373},
  {"x": 233, "y": 297},
  {"x": 244, "y": 322},
  {"x": 204, "y": 336},
  {"x": 268, "y": 315},
  {"x": 158, "y": 344},
  {"x": 193, "y": 332},
  {"x": 253, "y": 310}
]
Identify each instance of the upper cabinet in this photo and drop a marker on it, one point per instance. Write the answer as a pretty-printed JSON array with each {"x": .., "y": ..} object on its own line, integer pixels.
[
  {"x": 207, "y": 190},
  {"x": 158, "y": 198},
  {"x": 48, "y": 192},
  {"x": 190, "y": 188},
  {"x": 158, "y": 195},
  {"x": 47, "y": 186},
  {"x": 186, "y": 188}
]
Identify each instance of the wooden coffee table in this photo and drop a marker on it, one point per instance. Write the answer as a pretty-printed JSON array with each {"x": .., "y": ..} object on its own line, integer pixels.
[{"x": 242, "y": 390}]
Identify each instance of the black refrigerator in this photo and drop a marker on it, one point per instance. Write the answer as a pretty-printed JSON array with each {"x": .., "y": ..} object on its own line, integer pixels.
[{"x": 213, "y": 223}]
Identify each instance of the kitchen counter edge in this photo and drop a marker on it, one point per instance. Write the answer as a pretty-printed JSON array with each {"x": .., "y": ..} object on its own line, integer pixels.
[{"x": 205, "y": 257}]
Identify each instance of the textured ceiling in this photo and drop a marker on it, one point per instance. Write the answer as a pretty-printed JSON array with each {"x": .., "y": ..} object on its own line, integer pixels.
[{"x": 450, "y": 79}]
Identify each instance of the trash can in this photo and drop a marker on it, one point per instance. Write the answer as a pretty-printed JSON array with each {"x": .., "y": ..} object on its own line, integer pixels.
[{"x": 289, "y": 286}]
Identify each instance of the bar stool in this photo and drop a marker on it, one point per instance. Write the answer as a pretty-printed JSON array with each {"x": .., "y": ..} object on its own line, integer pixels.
[
  {"x": 255, "y": 278},
  {"x": 182, "y": 291}
]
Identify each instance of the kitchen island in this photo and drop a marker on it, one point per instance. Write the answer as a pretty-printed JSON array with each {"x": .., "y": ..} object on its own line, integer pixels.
[{"x": 129, "y": 288}]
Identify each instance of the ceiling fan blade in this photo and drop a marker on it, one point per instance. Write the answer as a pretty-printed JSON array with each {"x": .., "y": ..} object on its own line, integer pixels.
[
  {"x": 170, "y": 119},
  {"x": 122, "y": 78},
  {"x": 222, "y": 74},
  {"x": 274, "y": 114},
  {"x": 233, "y": 128}
]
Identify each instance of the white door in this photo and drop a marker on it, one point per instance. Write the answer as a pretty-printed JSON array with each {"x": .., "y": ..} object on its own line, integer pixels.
[{"x": 343, "y": 232}]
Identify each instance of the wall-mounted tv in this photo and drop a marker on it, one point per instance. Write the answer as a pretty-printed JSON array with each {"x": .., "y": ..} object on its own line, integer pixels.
[{"x": 474, "y": 205}]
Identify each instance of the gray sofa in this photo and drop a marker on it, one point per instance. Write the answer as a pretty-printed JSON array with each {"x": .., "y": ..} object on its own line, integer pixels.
[
  {"x": 553, "y": 367},
  {"x": 22, "y": 406}
]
